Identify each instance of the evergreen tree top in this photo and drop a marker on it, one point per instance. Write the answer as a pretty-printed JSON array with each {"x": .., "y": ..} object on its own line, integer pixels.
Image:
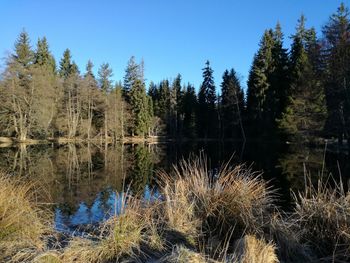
[
  {"x": 23, "y": 53},
  {"x": 133, "y": 72},
  {"x": 277, "y": 33},
  {"x": 300, "y": 30},
  {"x": 207, "y": 93},
  {"x": 43, "y": 56},
  {"x": 105, "y": 73},
  {"x": 338, "y": 27},
  {"x": 65, "y": 64},
  {"x": 89, "y": 67}
]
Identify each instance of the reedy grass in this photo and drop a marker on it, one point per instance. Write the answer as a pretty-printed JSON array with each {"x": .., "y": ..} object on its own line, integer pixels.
[
  {"x": 203, "y": 215},
  {"x": 323, "y": 214},
  {"x": 121, "y": 236},
  {"x": 196, "y": 199},
  {"x": 250, "y": 249},
  {"x": 181, "y": 254},
  {"x": 22, "y": 223}
]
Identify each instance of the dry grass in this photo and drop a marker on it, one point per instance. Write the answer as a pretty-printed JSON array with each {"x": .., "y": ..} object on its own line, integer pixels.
[
  {"x": 323, "y": 214},
  {"x": 22, "y": 223},
  {"x": 250, "y": 249},
  {"x": 179, "y": 209},
  {"x": 48, "y": 257},
  {"x": 283, "y": 230},
  {"x": 121, "y": 236},
  {"x": 181, "y": 254},
  {"x": 201, "y": 216},
  {"x": 198, "y": 199}
]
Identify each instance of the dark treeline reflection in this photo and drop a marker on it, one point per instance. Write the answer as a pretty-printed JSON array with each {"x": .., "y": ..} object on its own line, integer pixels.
[{"x": 84, "y": 181}]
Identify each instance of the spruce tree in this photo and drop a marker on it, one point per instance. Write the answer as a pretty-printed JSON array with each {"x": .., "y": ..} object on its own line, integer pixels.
[
  {"x": 66, "y": 66},
  {"x": 43, "y": 56},
  {"x": 164, "y": 101},
  {"x": 175, "y": 101},
  {"x": 134, "y": 92},
  {"x": 232, "y": 105},
  {"x": 22, "y": 60},
  {"x": 258, "y": 85},
  {"x": 23, "y": 53},
  {"x": 188, "y": 110},
  {"x": 337, "y": 52},
  {"x": 141, "y": 108},
  {"x": 105, "y": 84},
  {"x": 278, "y": 79},
  {"x": 88, "y": 69},
  {"x": 268, "y": 84},
  {"x": 105, "y": 73},
  {"x": 305, "y": 113},
  {"x": 132, "y": 73},
  {"x": 207, "y": 114}
]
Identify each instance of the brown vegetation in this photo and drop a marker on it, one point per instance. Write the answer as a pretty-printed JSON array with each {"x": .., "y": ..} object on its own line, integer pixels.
[{"x": 202, "y": 216}]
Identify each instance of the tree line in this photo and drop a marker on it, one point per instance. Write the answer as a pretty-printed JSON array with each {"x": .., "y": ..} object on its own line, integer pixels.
[{"x": 300, "y": 93}]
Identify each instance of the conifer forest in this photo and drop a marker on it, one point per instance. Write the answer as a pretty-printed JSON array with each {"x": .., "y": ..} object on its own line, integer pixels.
[
  {"x": 103, "y": 162},
  {"x": 296, "y": 93}
]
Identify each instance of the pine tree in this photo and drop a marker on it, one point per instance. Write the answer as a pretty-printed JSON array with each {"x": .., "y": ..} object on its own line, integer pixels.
[
  {"x": 305, "y": 113},
  {"x": 140, "y": 108},
  {"x": 175, "y": 101},
  {"x": 278, "y": 79},
  {"x": 132, "y": 73},
  {"x": 188, "y": 110},
  {"x": 207, "y": 114},
  {"x": 105, "y": 73},
  {"x": 22, "y": 59},
  {"x": 337, "y": 52},
  {"x": 23, "y": 53},
  {"x": 89, "y": 67},
  {"x": 43, "y": 56},
  {"x": 66, "y": 66},
  {"x": 105, "y": 84},
  {"x": 232, "y": 105},
  {"x": 134, "y": 92},
  {"x": 258, "y": 84},
  {"x": 268, "y": 84},
  {"x": 164, "y": 101}
]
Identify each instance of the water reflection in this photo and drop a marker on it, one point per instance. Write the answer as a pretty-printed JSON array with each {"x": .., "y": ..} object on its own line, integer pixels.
[{"x": 84, "y": 181}]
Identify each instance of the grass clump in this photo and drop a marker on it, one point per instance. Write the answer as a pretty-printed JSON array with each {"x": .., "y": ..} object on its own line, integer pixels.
[
  {"x": 198, "y": 200},
  {"x": 120, "y": 237},
  {"x": 182, "y": 254},
  {"x": 219, "y": 207},
  {"x": 48, "y": 257},
  {"x": 22, "y": 223},
  {"x": 202, "y": 215},
  {"x": 323, "y": 214},
  {"x": 250, "y": 249}
]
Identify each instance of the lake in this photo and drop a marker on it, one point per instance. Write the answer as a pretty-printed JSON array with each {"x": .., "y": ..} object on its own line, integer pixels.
[{"x": 83, "y": 182}]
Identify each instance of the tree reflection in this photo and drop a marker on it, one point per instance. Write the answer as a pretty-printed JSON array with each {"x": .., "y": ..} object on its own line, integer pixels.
[
  {"x": 299, "y": 161},
  {"x": 142, "y": 168}
]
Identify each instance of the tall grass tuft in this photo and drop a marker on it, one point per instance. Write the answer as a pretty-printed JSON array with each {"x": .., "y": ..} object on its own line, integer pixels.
[
  {"x": 121, "y": 236},
  {"x": 22, "y": 223},
  {"x": 250, "y": 249},
  {"x": 182, "y": 254},
  {"x": 202, "y": 215},
  {"x": 323, "y": 215},
  {"x": 216, "y": 202}
]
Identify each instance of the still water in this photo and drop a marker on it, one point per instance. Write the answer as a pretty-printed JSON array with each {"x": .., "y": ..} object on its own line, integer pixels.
[{"x": 83, "y": 182}]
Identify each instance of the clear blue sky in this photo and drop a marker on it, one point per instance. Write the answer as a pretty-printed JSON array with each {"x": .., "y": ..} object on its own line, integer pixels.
[{"x": 171, "y": 36}]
